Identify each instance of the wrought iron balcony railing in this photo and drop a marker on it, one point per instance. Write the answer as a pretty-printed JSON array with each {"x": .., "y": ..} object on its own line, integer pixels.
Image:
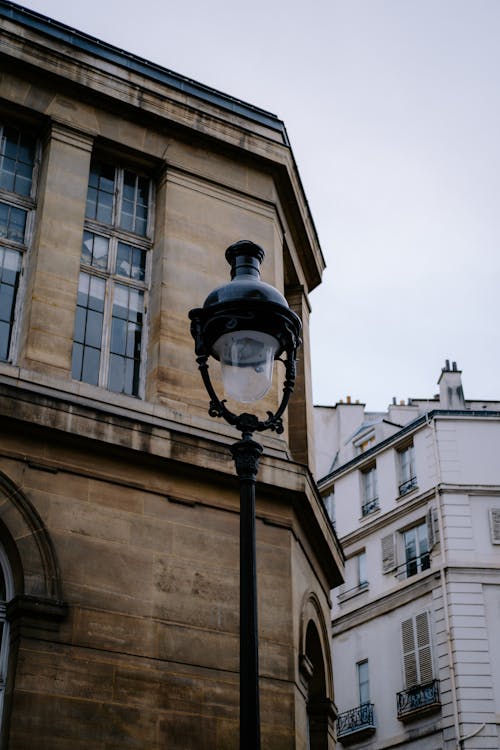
[
  {"x": 369, "y": 506},
  {"x": 355, "y": 724},
  {"x": 413, "y": 566},
  {"x": 344, "y": 595},
  {"x": 407, "y": 486},
  {"x": 418, "y": 700}
]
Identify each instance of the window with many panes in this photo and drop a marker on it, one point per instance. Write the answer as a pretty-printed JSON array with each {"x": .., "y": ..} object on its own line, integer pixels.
[
  {"x": 17, "y": 190},
  {"x": 114, "y": 280},
  {"x": 407, "y": 473},
  {"x": 370, "y": 493}
]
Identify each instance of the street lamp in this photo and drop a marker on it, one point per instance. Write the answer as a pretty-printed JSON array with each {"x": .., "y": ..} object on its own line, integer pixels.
[{"x": 246, "y": 325}]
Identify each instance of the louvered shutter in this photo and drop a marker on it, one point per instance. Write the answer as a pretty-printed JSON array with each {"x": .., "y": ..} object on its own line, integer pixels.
[
  {"x": 388, "y": 553},
  {"x": 409, "y": 653},
  {"x": 424, "y": 647},
  {"x": 495, "y": 525}
]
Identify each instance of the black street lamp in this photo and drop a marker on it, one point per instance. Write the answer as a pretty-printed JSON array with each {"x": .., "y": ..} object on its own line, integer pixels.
[{"x": 246, "y": 325}]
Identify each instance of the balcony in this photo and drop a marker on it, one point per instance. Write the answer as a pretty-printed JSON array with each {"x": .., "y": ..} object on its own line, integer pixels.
[
  {"x": 356, "y": 724},
  {"x": 413, "y": 566},
  {"x": 407, "y": 486},
  {"x": 418, "y": 701},
  {"x": 369, "y": 506}
]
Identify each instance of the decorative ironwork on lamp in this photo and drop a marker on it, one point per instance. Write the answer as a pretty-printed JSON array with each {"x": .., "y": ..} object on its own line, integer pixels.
[{"x": 247, "y": 325}]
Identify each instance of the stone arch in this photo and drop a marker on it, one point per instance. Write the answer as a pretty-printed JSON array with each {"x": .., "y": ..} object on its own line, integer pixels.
[
  {"x": 316, "y": 674},
  {"x": 28, "y": 545}
]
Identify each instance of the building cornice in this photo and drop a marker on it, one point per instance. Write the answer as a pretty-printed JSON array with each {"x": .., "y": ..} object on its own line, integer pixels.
[
  {"x": 368, "y": 456},
  {"x": 108, "y": 52},
  {"x": 129, "y": 83},
  {"x": 404, "y": 594}
]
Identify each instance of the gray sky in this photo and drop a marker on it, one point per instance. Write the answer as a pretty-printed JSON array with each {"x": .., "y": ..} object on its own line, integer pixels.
[{"x": 393, "y": 111}]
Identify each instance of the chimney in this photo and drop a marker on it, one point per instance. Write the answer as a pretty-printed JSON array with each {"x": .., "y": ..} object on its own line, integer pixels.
[{"x": 451, "y": 394}]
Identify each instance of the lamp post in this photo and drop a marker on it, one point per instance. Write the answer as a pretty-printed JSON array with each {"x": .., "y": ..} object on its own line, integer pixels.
[{"x": 246, "y": 325}]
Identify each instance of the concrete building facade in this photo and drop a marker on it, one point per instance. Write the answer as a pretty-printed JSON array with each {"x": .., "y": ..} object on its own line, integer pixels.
[
  {"x": 414, "y": 493},
  {"x": 121, "y": 185}
]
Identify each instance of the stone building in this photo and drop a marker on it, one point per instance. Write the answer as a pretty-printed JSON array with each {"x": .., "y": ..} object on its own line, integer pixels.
[
  {"x": 121, "y": 185},
  {"x": 415, "y": 494}
]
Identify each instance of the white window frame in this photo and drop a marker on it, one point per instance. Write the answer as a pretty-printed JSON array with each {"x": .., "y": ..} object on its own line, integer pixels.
[
  {"x": 422, "y": 558},
  {"x": 406, "y": 469},
  {"x": 361, "y": 569},
  {"x": 363, "y": 681},
  {"x": 115, "y": 234},
  {"x": 370, "y": 501}
]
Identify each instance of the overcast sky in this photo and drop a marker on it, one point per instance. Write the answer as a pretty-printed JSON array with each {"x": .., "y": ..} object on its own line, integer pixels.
[{"x": 393, "y": 111}]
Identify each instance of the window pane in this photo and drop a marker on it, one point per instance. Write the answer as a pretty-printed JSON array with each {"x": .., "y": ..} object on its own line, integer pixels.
[
  {"x": 362, "y": 568},
  {"x": 101, "y": 192},
  {"x": 12, "y": 222},
  {"x": 91, "y": 363},
  {"x": 130, "y": 262},
  {"x": 16, "y": 166},
  {"x": 97, "y": 290},
  {"x": 116, "y": 379},
  {"x": 10, "y": 268},
  {"x": 126, "y": 333},
  {"x": 77, "y": 361},
  {"x": 93, "y": 331},
  {"x": 4, "y": 340},
  {"x": 118, "y": 336},
  {"x": 363, "y": 682},
  {"x": 95, "y": 250},
  {"x": 87, "y": 339},
  {"x": 134, "y": 208}
]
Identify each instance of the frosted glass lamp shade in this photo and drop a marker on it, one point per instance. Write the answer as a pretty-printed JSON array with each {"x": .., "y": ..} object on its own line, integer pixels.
[{"x": 247, "y": 359}]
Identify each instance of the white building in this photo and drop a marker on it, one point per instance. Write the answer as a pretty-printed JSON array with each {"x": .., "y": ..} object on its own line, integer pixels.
[{"x": 414, "y": 494}]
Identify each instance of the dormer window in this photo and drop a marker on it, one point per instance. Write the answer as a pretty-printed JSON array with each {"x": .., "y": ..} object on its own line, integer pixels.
[{"x": 365, "y": 442}]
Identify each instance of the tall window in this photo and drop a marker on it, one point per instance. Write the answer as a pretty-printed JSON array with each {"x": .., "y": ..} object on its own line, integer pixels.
[
  {"x": 362, "y": 577},
  {"x": 363, "y": 682},
  {"x": 417, "y": 652},
  {"x": 416, "y": 548},
  {"x": 17, "y": 162},
  {"x": 407, "y": 474},
  {"x": 370, "y": 494},
  {"x": 114, "y": 278}
]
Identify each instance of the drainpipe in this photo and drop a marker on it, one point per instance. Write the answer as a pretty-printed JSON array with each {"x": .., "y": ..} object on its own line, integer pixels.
[{"x": 444, "y": 588}]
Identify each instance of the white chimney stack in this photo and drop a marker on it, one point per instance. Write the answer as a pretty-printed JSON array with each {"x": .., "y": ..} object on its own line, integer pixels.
[{"x": 451, "y": 394}]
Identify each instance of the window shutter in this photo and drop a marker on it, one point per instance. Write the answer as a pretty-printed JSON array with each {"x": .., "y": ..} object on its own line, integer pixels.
[
  {"x": 424, "y": 647},
  {"x": 495, "y": 525},
  {"x": 409, "y": 653},
  {"x": 388, "y": 553}
]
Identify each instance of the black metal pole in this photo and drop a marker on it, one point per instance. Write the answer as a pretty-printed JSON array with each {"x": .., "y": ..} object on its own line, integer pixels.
[{"x": 246, "y": 453}]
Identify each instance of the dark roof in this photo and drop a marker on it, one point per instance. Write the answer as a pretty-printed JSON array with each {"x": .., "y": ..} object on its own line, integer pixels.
[{"x": 87, "y": 43}]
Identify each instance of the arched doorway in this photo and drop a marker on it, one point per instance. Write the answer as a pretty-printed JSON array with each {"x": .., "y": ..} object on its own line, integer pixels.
[{"x": 319, "y": 706}]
